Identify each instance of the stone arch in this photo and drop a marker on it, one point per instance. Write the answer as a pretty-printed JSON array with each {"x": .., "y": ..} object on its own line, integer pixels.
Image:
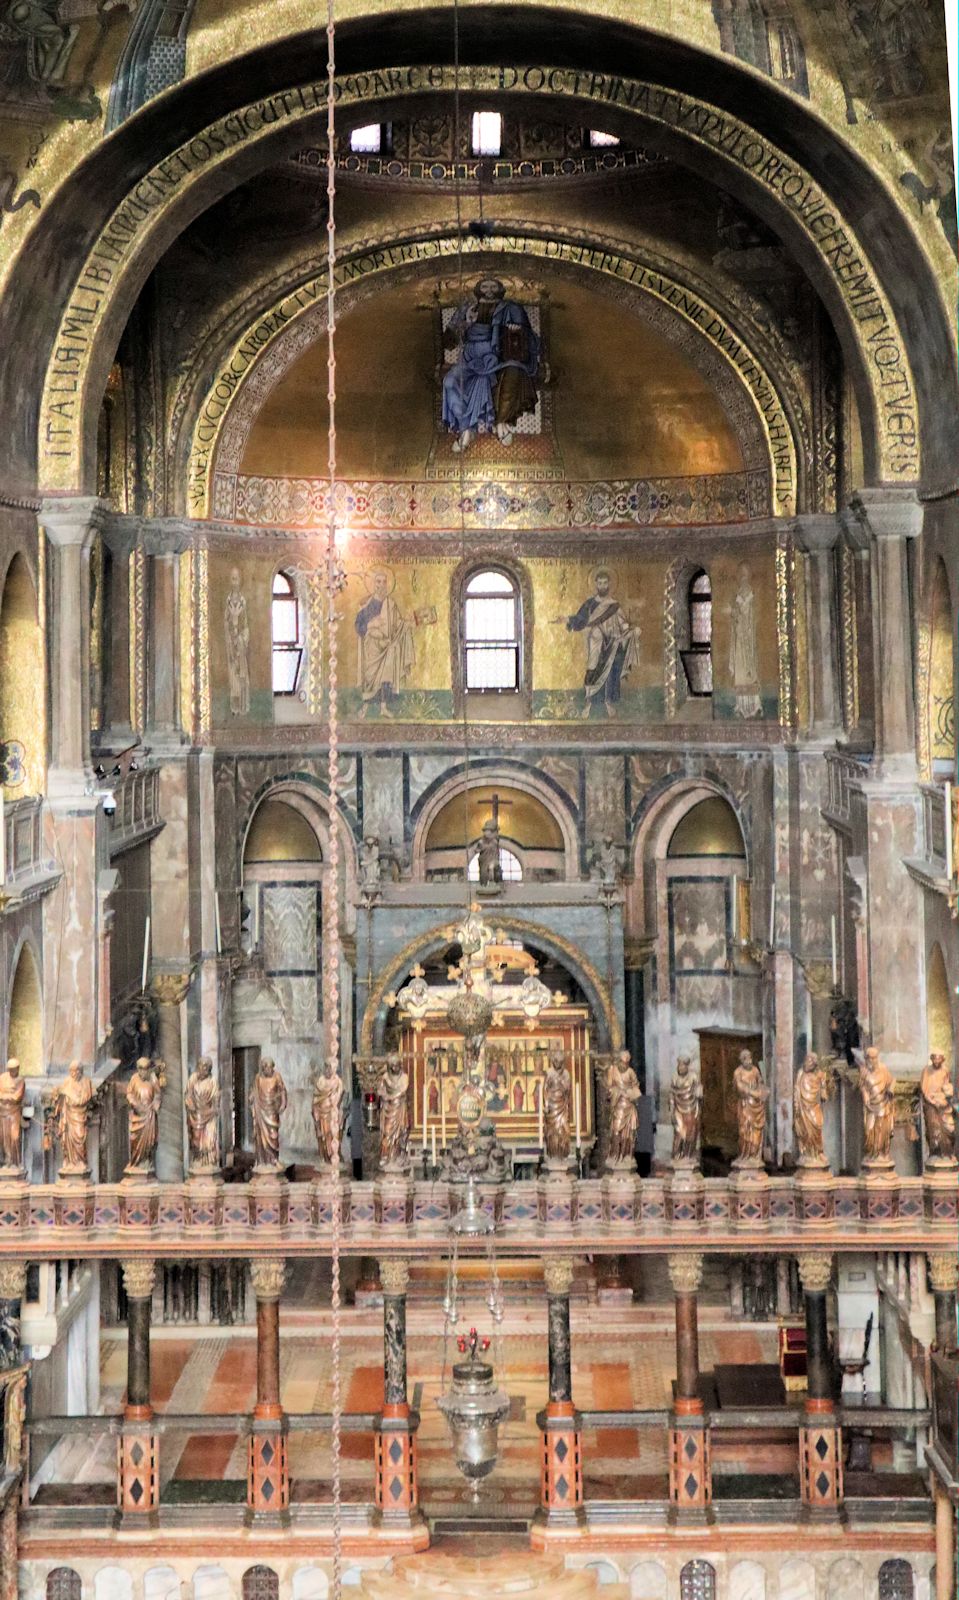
[
  {"x": 492, "y": 560},
  {"x": 486, "y": 772},
  {"x": 22, "y": 682},
  {"x": 765, "y": 411},
  {"x": 846, "y": 1577},
  {"x": 940, "y": 1026},
  {"x": 653, "y": 827},
  {"x": 608, "y": 1030},
  {"x": 25, "y": 1012},
  {"x": 211, "y": 1582},
  {"x": 310, "y": 1583},
  {"x": 708, "y": 136},
  {"x": 310, "y": 797},
  {"x": 797, "y": 1580},
  {"x": 648, "y": 1581},
  {"x": 63, "y": 1584},
  {"x": 747, "y": 1581},
  {"x": 113, "y": 1583},
  {"x": 679, "y": 575}
]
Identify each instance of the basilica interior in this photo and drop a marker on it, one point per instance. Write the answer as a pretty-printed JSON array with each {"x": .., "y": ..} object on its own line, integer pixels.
[{"x": 479, "y": 575}]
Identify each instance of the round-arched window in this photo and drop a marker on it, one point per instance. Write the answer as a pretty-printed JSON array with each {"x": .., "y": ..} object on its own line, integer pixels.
[{"x": 491, "y": 633}]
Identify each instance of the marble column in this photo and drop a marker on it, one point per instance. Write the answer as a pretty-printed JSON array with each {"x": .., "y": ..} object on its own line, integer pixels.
[
  {"x": 119, "y": 536},
  {"x": 70, "y": 525},
  {"x": 561, "y": 1499},
  {"x": 164, "y": 549},
  {"x": 170, "y": 990},
  {"x": 690, "y": 1475},
  {"x": 268, "y": 1476},
  {"x": 396, "y": 1486},
  {"x": 818, "y": 537},
  {"x": 893, "y": 516},
  {"x": 945, "y": 1545},
  {"x": 138, "y": 1447},
  {"x": 944, "y": 1278},
  {"x": 820, "y": 1435}
]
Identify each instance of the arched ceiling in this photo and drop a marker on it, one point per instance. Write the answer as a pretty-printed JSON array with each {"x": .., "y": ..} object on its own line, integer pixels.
[{"x": 906, "y": 282}]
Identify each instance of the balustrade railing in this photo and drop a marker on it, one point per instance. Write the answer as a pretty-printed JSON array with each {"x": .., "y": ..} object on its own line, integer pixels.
[{"x": 137, "y": 813}]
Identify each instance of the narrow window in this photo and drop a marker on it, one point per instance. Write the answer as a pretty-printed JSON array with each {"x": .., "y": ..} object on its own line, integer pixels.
[
  {"x": 697, "y": 658},
  {"x": 367, "y": 141},
  {"x": 697, "y": 1581},
  {"x": 510, "y": 866},
  {"x": 896, "y": 1580},
  {"x": 487, "y": 137},
  {"x": 600, "y": 140},
  {"x": 287, "y": 640},
  {"x": 491, "y": 633}
]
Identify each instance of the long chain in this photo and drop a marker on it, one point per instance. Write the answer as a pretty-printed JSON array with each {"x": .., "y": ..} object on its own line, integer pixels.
[
  {"x": 334, "y": 582},
  {"x": 458, "y": 197}
]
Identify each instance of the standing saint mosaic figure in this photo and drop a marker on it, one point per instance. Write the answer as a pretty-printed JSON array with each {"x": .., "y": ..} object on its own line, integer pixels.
[{"x": 236, "y": 624}]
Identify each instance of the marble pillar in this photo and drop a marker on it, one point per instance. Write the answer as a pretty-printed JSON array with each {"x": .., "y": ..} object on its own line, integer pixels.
[
  {"x": 164, "y": 549},
  {"x": 690, "y": 1476},
  {"x": 397, "y": 1489},
  {"x": 892, "y": 516},
  {"x": 170, "y": 990},
  {"x": 944, "y": 1278},
  {"x": 561, "y": 1498},
  {"x": 120, "y": 538},
  {"x": 70, "y": 525},
  {"x": 268, "y": 1476},
  {"x": 818, "y": 536},
  {"x": 820, "y": 1434},
  {"x": 138, "y": 1446}
]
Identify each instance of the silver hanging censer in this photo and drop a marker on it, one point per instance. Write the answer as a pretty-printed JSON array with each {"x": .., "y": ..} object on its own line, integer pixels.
[{"x": 474, "y": 1408}]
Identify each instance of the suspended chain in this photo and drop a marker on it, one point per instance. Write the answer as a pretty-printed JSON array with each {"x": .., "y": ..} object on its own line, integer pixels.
[{"x": 334, "y": 583}]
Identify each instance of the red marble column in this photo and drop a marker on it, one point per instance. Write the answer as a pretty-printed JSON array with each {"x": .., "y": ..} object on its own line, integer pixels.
[
  {"x": 268, "y": 1475},
  {"x": 396, "y": 1490},
  {"x": 561, "y": 1478},
  {"x": 690, "y": 1473},
  {"x": 820, "y": 1436},
  {"x": 138, "y": 1447}
]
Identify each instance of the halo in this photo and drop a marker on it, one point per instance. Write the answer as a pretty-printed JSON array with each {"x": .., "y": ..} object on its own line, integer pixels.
[
  {"x": 600, "y": 572},
  {"x": 369, "y": 576}
]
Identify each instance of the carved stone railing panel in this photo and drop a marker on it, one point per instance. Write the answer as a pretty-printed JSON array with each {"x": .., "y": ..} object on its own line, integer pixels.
[
  {"x": 934, "y": 822},
  {"x": 137, "y": 812}
]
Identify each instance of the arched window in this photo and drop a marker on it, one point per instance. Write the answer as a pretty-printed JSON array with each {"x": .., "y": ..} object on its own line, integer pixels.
[
  {"x": 64, "y": 1584},
  {"x": 510, "y": 866},
  {"x": 697, "y": 1581},
  {"x": 287, "y": 638},
  {"x": 260, "y": 1583},
  {"x": 491, "y": 633},
  {"x": 697, "y": 657},
  {"x": 896, "y": 1580}
]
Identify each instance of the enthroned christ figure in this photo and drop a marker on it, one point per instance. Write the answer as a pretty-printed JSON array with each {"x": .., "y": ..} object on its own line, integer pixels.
[{"x": 492, "y": 382}]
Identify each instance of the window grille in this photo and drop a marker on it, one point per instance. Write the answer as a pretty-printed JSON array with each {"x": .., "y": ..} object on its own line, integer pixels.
[
  {"x": 287, "y": 639},
  {"x": 491, "y": 643}
]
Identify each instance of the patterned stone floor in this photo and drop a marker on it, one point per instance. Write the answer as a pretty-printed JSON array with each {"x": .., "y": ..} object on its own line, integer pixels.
[{"x": 623, "y": 1358}]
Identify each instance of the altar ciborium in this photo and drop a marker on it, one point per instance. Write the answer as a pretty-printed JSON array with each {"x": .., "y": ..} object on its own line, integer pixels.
[{"x": 474, "y": 1408}]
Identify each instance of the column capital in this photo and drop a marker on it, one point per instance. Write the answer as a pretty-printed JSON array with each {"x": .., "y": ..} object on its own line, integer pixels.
[
  {"x": 558, "y": 1274},
  {"x": 138, "y": 1279},
  {"x": 165, "y": 538},
  {"x": 13, "y": 1280},
  {"x": 394, "y": 1276},
  {"x": 120, "y": 533},
  {"x": 890, "y": 512},
  {"x": 815, "y": 1270},
  {"x": 944, "y": 1272},
  {"x": 171, "y": 988},
  {"x": 72, "y": 519},
  {"x": 816, "y": 531},
  {"x": 267, "y": 1278},
  {"x": 685, "y": 1271}
]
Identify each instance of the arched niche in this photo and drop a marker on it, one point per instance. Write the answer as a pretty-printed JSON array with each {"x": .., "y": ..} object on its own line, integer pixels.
[
  {"x": 25, "y": 1013},
  {"x": 461, "y": 801},
  {"x": 528, "y": 829},
  {"x": 648, "y": 1581},
  {"x": 22, "y": 696},
  {"x": 161, "y": 1583},
  {"x": 940, "y": 710},
  {"x": 939, "y": 1020},
  {"x": 212, "y": 1583},
  {"x": 113, "y": 1583}
]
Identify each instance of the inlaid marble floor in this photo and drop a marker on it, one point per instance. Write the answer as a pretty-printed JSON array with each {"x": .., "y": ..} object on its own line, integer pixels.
[{"x": 627, "y": 1363}]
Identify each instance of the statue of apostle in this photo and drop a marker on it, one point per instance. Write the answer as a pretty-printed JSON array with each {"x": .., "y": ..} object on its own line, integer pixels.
[
  {"x": 268, "y": 1101},
  {"x": 12, "y": 1090},
  {"x": 202, "y": 1102},
  {"x": 71, "y": 1105},
  {"x": 878, "y": 1089},
  {"x": 489, "y": 865},
  {"x": 144, "y": 1093},
  {"x": 394, "y": 1116},
  {"x": 622, "y": 1086},
  {"x": 752, "y": 1094},
  {"x": 557, "y": 1107},
  {"x": 686, "y": 1109},
  {"x": 939, "y": 1111},
  {"x": 813, "y": 1087},
  {"x": 328, "y": 1115}
]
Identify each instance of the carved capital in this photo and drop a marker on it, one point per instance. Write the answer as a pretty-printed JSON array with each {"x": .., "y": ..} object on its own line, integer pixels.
[
  {"x": 891, "y": 512},
  {"x": 818, "y": 976},
  {"x": 267, "y": 1277},
  {"x": 558, "y": 1274},
  {"x": 72, "y": 519},
  {"x": 171, "y": 988},
  {"x": 815, "y": 1270},
  {"x": 685, "y": 1271},
  {"x": 138, "y": 1279},
  {"x": 394, "y": 1276},
  {"x": 13, "y": 1280},
  {"x": 944, "y": 1272}
]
